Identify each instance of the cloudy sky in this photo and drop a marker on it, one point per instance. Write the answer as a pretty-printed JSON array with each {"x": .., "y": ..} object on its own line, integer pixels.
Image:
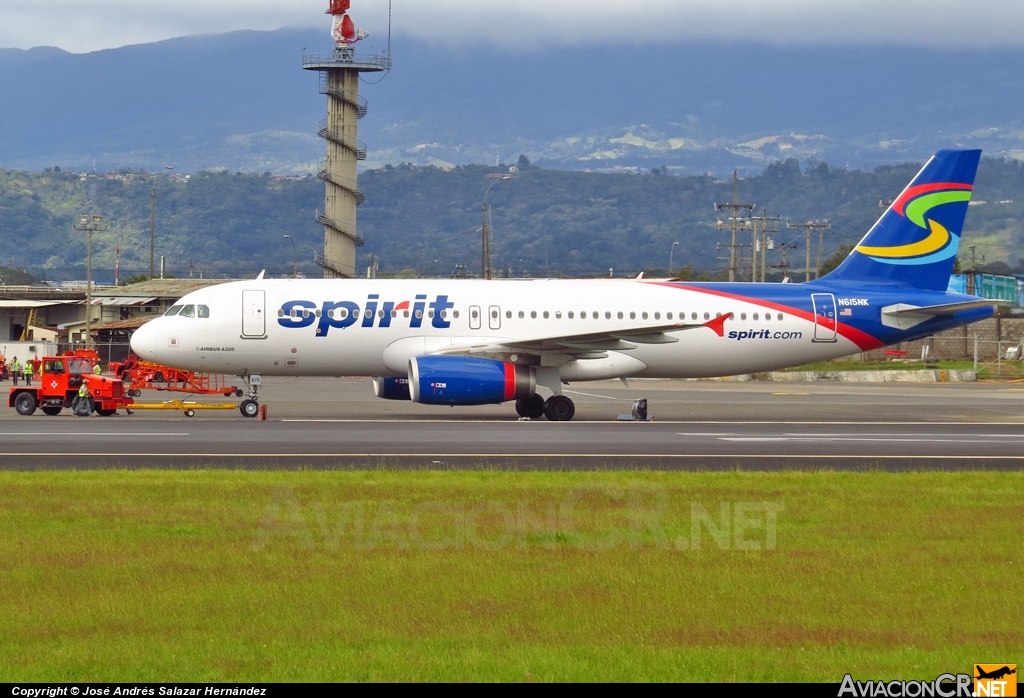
[{"x": 87, "y": 25}]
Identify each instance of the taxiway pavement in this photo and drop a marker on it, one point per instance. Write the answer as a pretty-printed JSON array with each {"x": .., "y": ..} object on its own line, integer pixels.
[{"x": 339, "y": 423}]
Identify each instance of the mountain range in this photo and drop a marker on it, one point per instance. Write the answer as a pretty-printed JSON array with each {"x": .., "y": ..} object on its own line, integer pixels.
[{"x": 241, "y": 102}]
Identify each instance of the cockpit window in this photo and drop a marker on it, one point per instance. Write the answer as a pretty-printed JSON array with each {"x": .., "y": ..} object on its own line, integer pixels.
[
  {"x": 188, "y": 311},
  {"x": 203, "y": 310},
  {"x": 173, "y": 310},
  {"x": 53, "y": 367},
  {"x": 79, "y": 366}
]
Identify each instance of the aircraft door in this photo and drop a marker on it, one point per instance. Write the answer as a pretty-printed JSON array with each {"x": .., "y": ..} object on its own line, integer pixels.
[
  {"x": 494, "y": 317},
  {"x": 474, "y": 317},
  {"x": 824, "y": 317},
  {"x": 254, "y": 320}
]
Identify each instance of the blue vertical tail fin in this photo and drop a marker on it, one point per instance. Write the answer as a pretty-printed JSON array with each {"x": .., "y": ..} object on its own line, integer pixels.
[{"x": 916, "y": 239}]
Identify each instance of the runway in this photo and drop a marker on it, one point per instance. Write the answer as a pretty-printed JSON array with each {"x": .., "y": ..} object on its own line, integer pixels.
[{"x": 699, "y": 425}]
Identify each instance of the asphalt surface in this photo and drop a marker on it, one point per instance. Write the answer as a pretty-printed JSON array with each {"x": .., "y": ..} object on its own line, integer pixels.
[{"x": 698, "y": 425}]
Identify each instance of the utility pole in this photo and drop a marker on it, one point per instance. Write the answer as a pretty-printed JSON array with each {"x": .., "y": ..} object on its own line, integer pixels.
[
  {"x": 972, "y": 272},
  {"x": 785, "y": 261},
  {"x": 117, "y": 266},
  {"x": 152, "y": 232},
  {"x": 485, "y": 247},
  {"x": 761, "y": 235},
  {"x": 807, "y": 228},
  {"x": 735, "y": 224},
  {"x": 90, "y": 224}
]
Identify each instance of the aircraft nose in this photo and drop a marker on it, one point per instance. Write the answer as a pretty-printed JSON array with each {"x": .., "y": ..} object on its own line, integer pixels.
[{"x": 144, "y": 342}]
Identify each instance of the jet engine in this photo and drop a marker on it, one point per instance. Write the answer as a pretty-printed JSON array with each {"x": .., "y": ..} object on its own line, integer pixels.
[
  {"x": 391, "y": 388},
  {"x": 467, "y": 380}
]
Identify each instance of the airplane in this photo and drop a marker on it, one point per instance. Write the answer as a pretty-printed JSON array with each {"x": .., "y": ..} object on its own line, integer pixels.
[{"x": 476, "y": 342}]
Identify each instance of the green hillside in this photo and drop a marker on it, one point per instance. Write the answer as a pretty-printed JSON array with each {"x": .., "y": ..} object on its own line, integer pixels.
[{"x": 427, "y": 219}]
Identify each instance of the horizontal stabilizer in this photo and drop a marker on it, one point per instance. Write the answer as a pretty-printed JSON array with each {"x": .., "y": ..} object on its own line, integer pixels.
[{"x": 904, "y": 316}]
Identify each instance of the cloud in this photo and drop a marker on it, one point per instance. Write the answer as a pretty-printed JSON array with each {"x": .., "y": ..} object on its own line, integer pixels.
[{"x": 86, "y": 25}]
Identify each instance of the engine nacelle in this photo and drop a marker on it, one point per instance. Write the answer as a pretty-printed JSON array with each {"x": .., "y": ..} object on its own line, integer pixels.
[
  {"x": 467, "y": 380},
  {"x": 391, "y": 388}
]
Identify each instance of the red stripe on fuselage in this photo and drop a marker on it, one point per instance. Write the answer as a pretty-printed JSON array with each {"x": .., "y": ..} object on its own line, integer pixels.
[
  {"x": 510, "y": 381},
  {"x": 862, "y": 339}
]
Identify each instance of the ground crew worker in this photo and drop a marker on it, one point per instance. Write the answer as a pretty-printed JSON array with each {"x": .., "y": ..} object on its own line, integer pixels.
[
  {"x": 97, "y": 369},
  {"x": 83, "y": 404},
  {"x": 26, "y": 371},
  {"x": 15, "y": 370}
]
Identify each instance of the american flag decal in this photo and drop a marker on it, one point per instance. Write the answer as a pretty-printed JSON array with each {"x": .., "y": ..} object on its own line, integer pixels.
[{"x": 846, "y": 311}]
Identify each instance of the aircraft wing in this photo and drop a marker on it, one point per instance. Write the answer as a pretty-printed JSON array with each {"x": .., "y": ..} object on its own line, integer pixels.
[{"x": 590, "y": 345}]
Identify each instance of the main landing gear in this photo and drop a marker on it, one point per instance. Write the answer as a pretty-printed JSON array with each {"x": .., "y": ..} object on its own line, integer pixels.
[
  {"x": 251, "y": 407},
  {"x": 557, "y": 408}
]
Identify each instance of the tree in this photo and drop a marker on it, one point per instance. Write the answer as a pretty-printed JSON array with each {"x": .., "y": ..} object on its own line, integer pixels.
[
  {"x": 835, "y": 260},
  {"x": 10, "y": 276},
  {"x": 524, "y": 163}
]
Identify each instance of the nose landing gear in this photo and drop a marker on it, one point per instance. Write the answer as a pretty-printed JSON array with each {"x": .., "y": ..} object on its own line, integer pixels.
[{"x": 251, "y": 406}]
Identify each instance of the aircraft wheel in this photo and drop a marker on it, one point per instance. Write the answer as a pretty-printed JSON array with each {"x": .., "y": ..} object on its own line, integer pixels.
[
  {"x": 52, "y": 411},
  {"x": 532, "y": 407},
  {"x": 190, "y": 413},
  {"x": 239, "y": 392},
  {"x": 25, "y": 404},
  {"x": 249, "y": 408},
  {"x": 559, "y": 408}
]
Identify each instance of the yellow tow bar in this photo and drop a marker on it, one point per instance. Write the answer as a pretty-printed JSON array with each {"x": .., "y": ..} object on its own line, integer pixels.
[{"x": 189, "y": 408}]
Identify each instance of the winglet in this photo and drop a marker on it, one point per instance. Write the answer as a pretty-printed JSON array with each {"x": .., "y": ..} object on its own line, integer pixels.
[
  {"x": 261, "y": 275},
  {"x": 639, "y": 276},
  {"x": 718, "y": 324}
]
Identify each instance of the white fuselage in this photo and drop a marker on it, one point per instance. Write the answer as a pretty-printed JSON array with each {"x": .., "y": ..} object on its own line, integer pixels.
[{"x": 308, "y": 327}]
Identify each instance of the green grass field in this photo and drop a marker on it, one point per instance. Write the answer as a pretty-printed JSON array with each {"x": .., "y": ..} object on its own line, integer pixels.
[{"x": 384, "y": 575}]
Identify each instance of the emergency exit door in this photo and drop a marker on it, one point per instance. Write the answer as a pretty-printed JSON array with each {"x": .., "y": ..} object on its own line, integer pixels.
[
  {"x": 494, "y": 317},
  {"x": 254, "y": 320},
  {"x": 474, "y": 317}
]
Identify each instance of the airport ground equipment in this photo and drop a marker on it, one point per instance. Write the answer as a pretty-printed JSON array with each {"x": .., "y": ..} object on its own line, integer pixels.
[
  {"x": 144, "y": 375},
  {"x": 187, "y": 408},
  {"x": 58, "y": 385}
]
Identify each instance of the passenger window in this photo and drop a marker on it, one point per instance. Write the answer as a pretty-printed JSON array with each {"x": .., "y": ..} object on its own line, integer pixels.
[
  {"x": 455, "y": 314},
  {"x": 188, "y": 311},
  {"x": 558, "y": 314},
  {"x": 693, "y": 316},
  {"x": 583, "y": 315},
  {"x": 755, "y": 316},
  {"x": 419, "y": 315},
  {"x": 657, "y": 316},
  {"x": 607, "y": 315},
  {"x": 173, "y": 310},
  {"x": 394, "y": 313},
  {"x": 430, "y": 313},
  {"x": 668, "y": 316},
  {"x": 342, "y": 313},
  {"x": 355, "y": 313},
  {"x": 780, "y": 316},
  {"x": 570, "y": 315},
  {"x": 533, "y": 314},
  {"x": 718, "y": 315},
  {"x": 474, "y": 314},
  {"x": 521, "y": 314},
  {"x": 620, "y": 314},
  {"x": 632, "y": 316},
  {"x": 707, "y": 316},
  {"x": 204, "y": 311},
  {"x": 405, "y": 313},
  {"x": 444, "y": 314},
  {"x": 644, "y": 315},
  {"x": 546, "y": 315},
  {"x": 280, "y": 312},
  {"x": 767, "y": 316},
  {"x": 743, "y": 316},
  {"x": 508, "y": 314}
]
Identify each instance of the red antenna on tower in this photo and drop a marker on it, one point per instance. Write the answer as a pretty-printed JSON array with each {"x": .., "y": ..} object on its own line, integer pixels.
[{"x": 343, "y": 29}]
